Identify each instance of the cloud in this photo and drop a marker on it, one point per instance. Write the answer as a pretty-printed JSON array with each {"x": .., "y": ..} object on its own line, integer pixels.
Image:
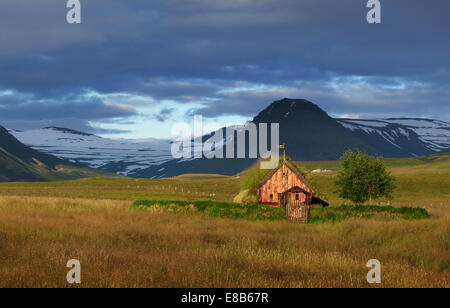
[
  {"x": 29, "y": 111},
  {"x": 91, "y": 109},
  {"x": 360, "y": 96},
  {"x": 164, "y": 114},
  {"x": 72, "y": 123},
  {"x": 230, "y": 57}
]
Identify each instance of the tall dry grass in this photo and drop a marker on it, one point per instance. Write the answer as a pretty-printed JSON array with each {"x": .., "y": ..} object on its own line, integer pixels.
[{"x": 119, "y": 248}]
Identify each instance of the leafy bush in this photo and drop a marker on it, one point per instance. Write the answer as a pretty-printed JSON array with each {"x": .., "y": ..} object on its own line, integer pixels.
[{"x": 363, "y": 178}]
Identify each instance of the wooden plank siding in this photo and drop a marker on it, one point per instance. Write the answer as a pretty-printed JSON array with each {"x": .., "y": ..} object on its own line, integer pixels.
[
  {"x": 297, "y": 212},
  {"x": 281, "y": 181}
]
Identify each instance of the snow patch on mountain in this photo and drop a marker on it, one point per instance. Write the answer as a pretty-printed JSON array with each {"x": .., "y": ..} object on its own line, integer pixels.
[
  {"x": 434, "y": 134},
  {"x": 119, "y": 156}
]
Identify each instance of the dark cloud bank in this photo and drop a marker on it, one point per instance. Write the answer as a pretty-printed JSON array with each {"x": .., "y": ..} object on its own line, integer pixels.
[{"x": 232, "y": 57}]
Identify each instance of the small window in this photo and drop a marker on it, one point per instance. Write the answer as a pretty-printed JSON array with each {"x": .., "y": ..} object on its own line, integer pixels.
[
  {"x": 297, "y": 197},
  {"x": 271, "y": 197}
]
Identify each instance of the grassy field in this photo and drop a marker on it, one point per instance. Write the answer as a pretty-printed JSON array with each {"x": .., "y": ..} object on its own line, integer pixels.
[
  {"x": 43, "y": 225},
  {"x": 420, "y": 181}
]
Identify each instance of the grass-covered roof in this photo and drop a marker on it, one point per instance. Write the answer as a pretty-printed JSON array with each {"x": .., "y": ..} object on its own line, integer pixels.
[{"x": 254, "y": 177}]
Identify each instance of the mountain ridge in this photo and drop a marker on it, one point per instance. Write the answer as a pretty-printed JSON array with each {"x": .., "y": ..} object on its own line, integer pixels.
[
  {"x": 309, "y": 132},
  {"x": 329, "y": 140},
  {"x": 19, "y": 162},
  {"x": 424, "y": 136},
  {"x": 318, "y": 137}
]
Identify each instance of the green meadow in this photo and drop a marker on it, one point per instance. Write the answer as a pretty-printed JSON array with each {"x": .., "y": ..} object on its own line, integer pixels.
[
  {"x": 187, "y": 232},
  {"x": 264, "y": 212}
]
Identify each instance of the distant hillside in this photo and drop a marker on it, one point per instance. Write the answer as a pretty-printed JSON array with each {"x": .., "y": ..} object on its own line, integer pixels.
[
  {"x": 19, "y": 162},
  {"x": 402, "y": 137},
  {"x": 312, "y": 135},
  {"x": 308, "y": 131},
  {"x": 433, "y": 162},
  {"x": 117, "y": 156}
]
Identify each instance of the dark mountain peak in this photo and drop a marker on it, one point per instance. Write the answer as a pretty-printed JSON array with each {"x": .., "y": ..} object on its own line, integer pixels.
[
  {"x": 293, "y": 100},
  {"x": 3, "y": 130},
  {"x": 67, "y": 130},
  {"x": 309, "y": 132},
  {"x": 287, "y": 110},
  {"x": 294, "y": 104},
  {"x": 19, "y": 162},
  {"x": 5, "y": 135},
  {"x": 14, "y": 147}
]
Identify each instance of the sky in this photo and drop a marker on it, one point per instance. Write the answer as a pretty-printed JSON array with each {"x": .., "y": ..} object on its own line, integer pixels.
[{"x": 134, "y": 68}]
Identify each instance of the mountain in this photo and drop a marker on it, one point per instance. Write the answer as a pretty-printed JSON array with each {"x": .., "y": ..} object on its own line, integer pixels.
[
  {"x": 312, "y": 135},
  {"x": 309, "y": 133},
  {"x": 402, "y": 137},
  {"x": 117, "y": 156},
  {"x": 307, "y": 130},
  {"x": 19, "y": 162}
]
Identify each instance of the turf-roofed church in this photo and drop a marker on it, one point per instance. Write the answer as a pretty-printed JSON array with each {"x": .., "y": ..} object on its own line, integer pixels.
[{"x": 284, "y": 184}]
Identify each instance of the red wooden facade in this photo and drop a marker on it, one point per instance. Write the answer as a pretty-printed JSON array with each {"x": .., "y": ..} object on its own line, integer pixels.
[{"x": 284, "y": 184}]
